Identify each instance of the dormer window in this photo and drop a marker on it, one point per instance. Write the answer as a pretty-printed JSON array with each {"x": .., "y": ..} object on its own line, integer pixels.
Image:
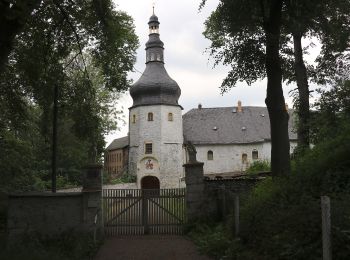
[{"x": 150, "y": 116}]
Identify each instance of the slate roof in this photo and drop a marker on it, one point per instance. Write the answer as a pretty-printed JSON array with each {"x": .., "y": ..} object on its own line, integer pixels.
[
  {"x": 118, "y": 143},
  {"x": 249, "y": 126},
  {"x": 155, "y": 87}
]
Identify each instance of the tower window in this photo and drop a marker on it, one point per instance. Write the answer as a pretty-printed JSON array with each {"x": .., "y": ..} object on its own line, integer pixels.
[
  {"x": 210, "y": 156},
  {"x": 170, "y": 117},
  {"x": 148, "y": 148},
  {"x": 133, "y": 119},
  {"x": 150, "y": 116},
  {"x": 255, "y": 154}
]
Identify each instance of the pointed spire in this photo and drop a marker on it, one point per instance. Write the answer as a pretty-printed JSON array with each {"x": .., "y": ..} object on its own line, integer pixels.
[{"x": 153, "y": 5}]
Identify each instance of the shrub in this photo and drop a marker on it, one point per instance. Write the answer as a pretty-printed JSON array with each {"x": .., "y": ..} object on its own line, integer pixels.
[
  {"x": 68, "y": 246},
  {"x": 259, "y": 166}
]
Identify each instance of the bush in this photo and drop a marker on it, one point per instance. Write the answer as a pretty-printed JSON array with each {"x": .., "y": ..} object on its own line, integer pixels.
[
  {"x": 259, "y": 166},
  {"x": 213, "y": 240},
  {"x": 68, "y": 246},
  {"x": 125, "y": 178},
  {"x": 281, "y": 218}
]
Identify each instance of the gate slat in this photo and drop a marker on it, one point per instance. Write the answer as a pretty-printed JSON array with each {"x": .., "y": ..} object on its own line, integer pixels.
[{"x": 136, "y": 212}]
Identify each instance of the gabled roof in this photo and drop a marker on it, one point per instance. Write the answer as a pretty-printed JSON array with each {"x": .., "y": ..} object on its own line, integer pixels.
[
  {"x": 118, "y": 143},
  {"x": 224, "y": 126}
]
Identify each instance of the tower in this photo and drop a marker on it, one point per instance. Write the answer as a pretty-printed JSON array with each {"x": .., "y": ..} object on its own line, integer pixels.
[{"x": 155, "y": 129}]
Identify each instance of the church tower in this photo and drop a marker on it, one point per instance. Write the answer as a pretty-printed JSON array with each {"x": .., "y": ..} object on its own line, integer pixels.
[{"x": 155, "y": 128}]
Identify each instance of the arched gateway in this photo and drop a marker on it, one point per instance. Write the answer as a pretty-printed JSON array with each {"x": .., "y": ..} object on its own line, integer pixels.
[{"x": 150, "y": 182}]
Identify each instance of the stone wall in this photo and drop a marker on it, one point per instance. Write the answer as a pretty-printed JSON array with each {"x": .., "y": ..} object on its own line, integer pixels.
[
  {"x": 50, "y": 214},
  {"x": 45, "y": 213},
  {"x": 220, "y": 194},
  {"x": 212, "y": 199}
]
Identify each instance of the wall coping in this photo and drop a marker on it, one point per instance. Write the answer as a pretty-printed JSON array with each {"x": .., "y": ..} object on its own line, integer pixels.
[
  {"x": 193, "y": 164},
  {"x": 44, "y": 194}
]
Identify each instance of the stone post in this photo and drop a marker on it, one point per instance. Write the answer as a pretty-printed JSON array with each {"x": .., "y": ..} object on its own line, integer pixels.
[
  {"x": 194, "y": 179},
  {"x": 92, "y": 199}
]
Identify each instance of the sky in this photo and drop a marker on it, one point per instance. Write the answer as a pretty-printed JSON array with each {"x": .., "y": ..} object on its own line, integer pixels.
[{"x": 186, "y": 59}]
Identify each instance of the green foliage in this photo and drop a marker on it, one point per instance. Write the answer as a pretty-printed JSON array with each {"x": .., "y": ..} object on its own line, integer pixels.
[
  {"x": 259, "y": 166},
  {"x": 213, "y": 240},
  {"x": 333, "y": 111},
  {"x": 124, "y": 178},
  {"x": 281, "y": 218},
  {"x": 68, "y": 246},
  {"x": 86, "y": 49}
]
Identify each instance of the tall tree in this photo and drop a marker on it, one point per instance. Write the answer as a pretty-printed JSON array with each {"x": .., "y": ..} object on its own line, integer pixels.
[
  {"x": 247, "y": 35},
  {"x": 86, "y": 49},
  {"x": 245, "y": 51},
  {"x": 323, "y": 19}
]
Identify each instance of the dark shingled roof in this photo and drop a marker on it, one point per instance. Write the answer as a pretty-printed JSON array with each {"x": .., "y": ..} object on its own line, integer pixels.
[
  {"x": 119, "y": 143},
  {"x": 155, "y": 87},
  {"x": 248, "y": 126}
]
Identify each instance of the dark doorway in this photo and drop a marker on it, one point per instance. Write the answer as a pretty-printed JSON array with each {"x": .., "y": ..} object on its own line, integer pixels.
[{"x": 150, "y": 182}]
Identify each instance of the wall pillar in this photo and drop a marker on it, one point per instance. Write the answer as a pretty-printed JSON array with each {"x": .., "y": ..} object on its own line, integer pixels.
[
  {"x": 194, "y": 190},
  {"x": 92, "y": 199}
]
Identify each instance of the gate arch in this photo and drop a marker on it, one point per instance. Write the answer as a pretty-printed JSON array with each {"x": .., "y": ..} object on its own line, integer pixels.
[{"x": 150, "y": 182}]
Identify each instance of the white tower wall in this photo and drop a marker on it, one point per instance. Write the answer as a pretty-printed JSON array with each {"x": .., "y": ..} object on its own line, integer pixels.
[{"x": 166, "y": 138}]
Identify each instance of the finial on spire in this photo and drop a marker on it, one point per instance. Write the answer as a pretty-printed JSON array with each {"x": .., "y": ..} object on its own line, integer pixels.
[{"x": 153, "y": 6}]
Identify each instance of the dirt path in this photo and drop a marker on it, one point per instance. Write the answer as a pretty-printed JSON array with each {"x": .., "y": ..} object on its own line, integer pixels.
[{"x": 149, "y": 248}]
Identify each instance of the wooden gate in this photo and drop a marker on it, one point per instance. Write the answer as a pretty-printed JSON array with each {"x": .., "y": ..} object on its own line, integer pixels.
[{"x": 137, "y": 212}]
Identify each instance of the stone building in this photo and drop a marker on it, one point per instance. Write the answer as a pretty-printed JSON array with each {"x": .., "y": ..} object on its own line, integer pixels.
[
  {"x": 155, "y": 129},
  {"x": 227, "y": 139},
  {"x": 117, "y": 157}
]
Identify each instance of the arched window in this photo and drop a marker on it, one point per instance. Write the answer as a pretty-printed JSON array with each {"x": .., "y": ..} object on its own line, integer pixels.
[
  {"x": 133, "y": 119},
  {"x": 210, "y": 155},
  {"x": 170, "y": 117},
  {"x": 150, "y": 116},
  {"x": 255, "y": 154},
  {"x": 244, "y": 158}
]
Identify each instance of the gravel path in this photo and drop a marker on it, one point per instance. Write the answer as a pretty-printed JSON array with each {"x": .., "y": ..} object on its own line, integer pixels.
[{"x": 149, "y": 248}]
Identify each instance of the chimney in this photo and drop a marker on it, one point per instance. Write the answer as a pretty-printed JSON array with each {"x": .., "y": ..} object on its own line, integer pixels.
[
  {"x": 239, "y": 106},
  {"x": 199, "y": 106}
]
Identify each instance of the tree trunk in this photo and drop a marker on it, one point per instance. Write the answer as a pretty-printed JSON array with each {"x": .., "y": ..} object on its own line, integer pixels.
[
  {"x": 303, "y": 89},
  {"x": 12, "y": 21},
  {"x": 280, "y": 159}
]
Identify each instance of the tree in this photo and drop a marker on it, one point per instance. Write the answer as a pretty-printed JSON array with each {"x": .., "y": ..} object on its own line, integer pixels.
[
  {"x": 86, "y": 49},
  {"x": 240, "y": 31},
  {"x": 322, "y": 19},
  {"x": 332, "y": 112},
  {"x": 13, "y": 16},
  {"x": 326, "y": 20}
]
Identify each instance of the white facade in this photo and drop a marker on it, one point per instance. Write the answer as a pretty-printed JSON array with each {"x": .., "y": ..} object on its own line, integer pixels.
[
  {"x": 164, "y": 132},
  {"x": 229, "y": 158}
]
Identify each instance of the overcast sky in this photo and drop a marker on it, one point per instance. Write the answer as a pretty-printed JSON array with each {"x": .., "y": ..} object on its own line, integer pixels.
[{"x": 181, "y": 27}]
